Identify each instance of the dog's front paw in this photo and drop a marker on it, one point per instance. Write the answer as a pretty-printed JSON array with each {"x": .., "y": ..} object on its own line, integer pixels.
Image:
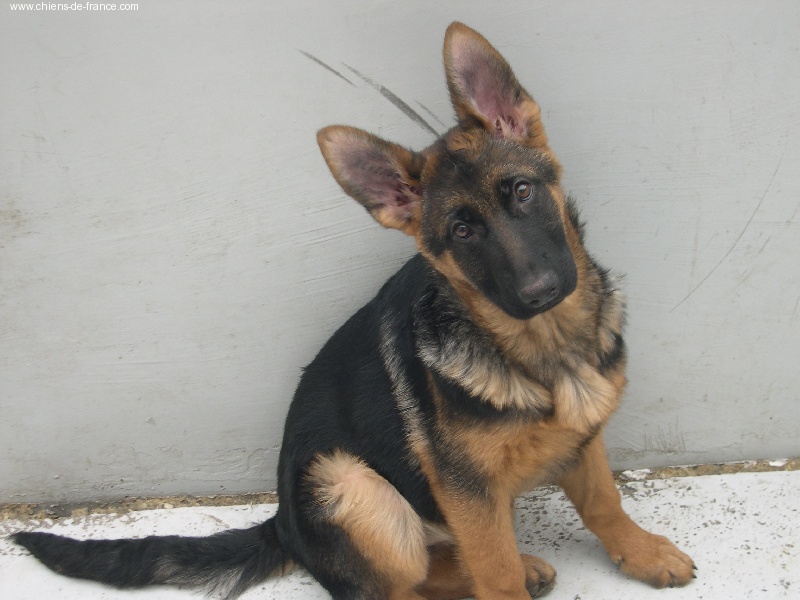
[
  {"x": 540, "y": 576},
  {"x": 653, "y": 559}
]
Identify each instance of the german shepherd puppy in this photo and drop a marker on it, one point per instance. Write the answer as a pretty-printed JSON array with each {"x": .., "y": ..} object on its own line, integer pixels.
[{"x": 489, "y": 364}]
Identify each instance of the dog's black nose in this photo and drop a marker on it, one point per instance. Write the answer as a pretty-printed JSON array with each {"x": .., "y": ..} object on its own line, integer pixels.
[{"x": 543, "y": 289}]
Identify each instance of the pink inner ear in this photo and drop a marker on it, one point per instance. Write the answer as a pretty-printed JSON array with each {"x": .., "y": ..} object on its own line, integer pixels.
[
  {"x": 377, "y": 181},
  {"x": 493, "y": 91},
  {"x": 402, "y": 199},
  {"x": 496, "y": 103}
]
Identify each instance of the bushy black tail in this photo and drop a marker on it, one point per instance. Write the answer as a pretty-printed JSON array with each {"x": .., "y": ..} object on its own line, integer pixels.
[{"x": 226, "y": 563}]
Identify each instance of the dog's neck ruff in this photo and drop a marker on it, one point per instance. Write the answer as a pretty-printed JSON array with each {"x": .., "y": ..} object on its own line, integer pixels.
[
  {"x": 548, "y": 377},
  {"x": 450, "y": 343}
]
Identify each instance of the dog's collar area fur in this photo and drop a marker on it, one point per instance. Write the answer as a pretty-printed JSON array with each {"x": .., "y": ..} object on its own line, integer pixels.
[{"x": 569, "y": 386}]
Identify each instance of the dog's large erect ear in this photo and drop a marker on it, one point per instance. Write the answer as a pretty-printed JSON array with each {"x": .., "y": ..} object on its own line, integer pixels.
[
  {"x": 485, "y": 91},
  {"x": 382, "y": 176}
]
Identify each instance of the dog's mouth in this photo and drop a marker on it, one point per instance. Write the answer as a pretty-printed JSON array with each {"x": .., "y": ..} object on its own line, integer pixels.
[{"x": 533, "y": 309}]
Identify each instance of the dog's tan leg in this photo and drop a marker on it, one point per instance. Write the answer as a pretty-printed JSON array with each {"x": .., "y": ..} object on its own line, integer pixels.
[
  {"x": 484, "y": 532},
  {"x": 642, "y": 555},
  {"x": 448, "y": 579}
]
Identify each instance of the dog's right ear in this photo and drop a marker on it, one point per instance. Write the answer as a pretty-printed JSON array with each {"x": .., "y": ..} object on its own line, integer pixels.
[{"x": 383, "y": 177}]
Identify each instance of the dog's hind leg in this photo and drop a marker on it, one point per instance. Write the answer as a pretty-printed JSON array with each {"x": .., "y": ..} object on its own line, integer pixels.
[
  {"x": 366, "y": 519},
  {"x": 484, "y": 535},
  {"x": 448, "y": 580}
]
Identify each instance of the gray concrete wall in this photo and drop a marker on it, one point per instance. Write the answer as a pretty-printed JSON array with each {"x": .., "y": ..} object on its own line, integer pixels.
[{"x": 173, "y": 250}]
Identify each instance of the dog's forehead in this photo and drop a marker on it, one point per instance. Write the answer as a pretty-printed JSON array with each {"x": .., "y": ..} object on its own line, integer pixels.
[{"x": 469, "y": 169}]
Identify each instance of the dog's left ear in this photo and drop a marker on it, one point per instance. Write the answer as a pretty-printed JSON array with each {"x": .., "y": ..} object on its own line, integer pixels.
[
  {"x": 484, "y": 90},
  {"x": 383, "y": 177}
]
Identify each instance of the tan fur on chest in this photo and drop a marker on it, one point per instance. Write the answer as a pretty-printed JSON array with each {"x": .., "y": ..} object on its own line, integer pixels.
[{"x": 519, "y": 455}]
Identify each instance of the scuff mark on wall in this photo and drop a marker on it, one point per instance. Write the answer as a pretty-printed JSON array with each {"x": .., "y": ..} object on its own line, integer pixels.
[
  {"x": 669, "y": 441},
  {"x": 325, "y": 66},
  {"x": 12, "y": 221},
  {"x": 431, "y": 113},
  {"x": 394, "y": 99},
  {"x": 741, "y": 233},
  {"x": 384, "y": 91}
]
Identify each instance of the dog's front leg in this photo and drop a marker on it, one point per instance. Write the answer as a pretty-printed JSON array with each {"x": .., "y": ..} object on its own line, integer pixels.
[
  {"x": 484, "y": 532},
  {"x": 647, "y": 557}
]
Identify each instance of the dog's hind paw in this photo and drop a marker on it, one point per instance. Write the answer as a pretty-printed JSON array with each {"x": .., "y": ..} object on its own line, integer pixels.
[{"x": 540, "y": 576}]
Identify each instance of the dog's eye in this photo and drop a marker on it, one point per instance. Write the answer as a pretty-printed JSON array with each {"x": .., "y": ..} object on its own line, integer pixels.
[
  {"x": 523, "y": 190},
  {"x": 462, "y": 230}
]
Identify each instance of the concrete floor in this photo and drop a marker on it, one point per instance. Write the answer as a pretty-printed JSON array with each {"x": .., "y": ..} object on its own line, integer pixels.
[{"x": 743, "y": 531}]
